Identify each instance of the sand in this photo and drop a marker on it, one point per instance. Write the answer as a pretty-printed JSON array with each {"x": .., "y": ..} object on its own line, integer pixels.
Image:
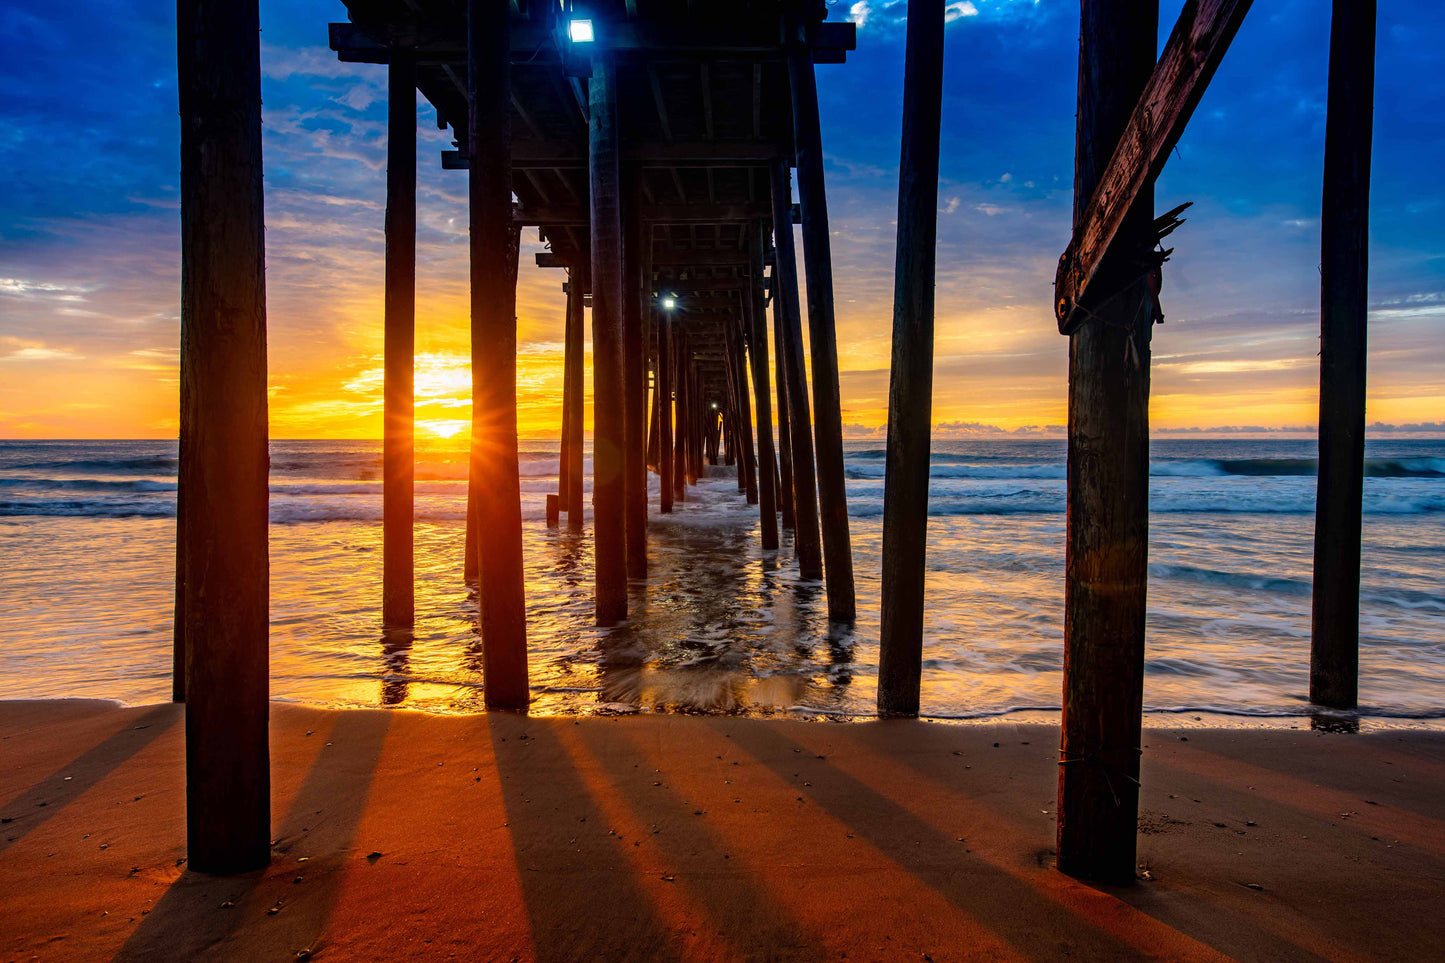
[{"x": 403, "y": 836}]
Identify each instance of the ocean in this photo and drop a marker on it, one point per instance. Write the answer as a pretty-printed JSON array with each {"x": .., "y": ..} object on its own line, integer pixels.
[{"x": 87, "y": 552}]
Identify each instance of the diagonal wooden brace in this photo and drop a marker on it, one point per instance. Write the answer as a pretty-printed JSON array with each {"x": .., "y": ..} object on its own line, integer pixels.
[{"x": 1196, "y": 46}]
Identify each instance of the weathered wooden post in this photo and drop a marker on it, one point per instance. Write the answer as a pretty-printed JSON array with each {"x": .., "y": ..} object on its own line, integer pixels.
[
  {"x": 681, "y": 448},
  {"x": 564, "y": 483},
  {"x": 470, "y": 569},
  {"x": 700, "y": 413},
  {"x": 178, "y": 619},
  {"x": 664, "y": 413},
  {"x": 398, "y": 593},
  {"x": 577, "y": 285},
  {"x": 822, "y": 335},
  {"x": 501, "y": 593},
  {"x": 1344, "y": 303},
  {"x": 1108, "y": 476},
  {"x": 791, "y": 364},
  {"x": 910, "y": 388},
  {"x": 223, "y": 455},
  {"x": 743, "y": 406},
  {"x": 634, "y": 376},
  {"x": 785, "y": 444},
  {"x": 758, "y": 358},
  {"x": 609, "y": 408}
]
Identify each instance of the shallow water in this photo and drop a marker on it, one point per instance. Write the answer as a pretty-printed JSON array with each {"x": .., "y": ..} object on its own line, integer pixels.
[{"x": 86, "y": 550}]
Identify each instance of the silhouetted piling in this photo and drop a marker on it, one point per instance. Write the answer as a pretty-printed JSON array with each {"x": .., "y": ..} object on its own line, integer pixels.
[
  {"x": 609, "y": 405},
  {"x": 494, "y": 241},
  {"x": 910, "y": 388},
  {"x": 223, "y": 456},
  {"x": 634, "y": 358},
  {"x": 664, "y": 413},
  {"x": 785, "y": 444},
  {"x": 758, "y": 358},
  {"x": 1108, "y": 477},
  {"x": 398, "y": 593},
  {"x": 806, "y": 541},
  {"x": 1344, "y": 305},
  {"x": 576, "y": 319},
  {"x": 822, "y": 336}
]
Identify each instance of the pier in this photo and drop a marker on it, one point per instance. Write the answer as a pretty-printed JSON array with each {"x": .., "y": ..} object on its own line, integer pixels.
[{"x": 664, "y": 152}]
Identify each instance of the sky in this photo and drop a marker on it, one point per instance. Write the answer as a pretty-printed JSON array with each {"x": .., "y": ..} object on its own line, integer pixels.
[{"x": 89, "y": 226}]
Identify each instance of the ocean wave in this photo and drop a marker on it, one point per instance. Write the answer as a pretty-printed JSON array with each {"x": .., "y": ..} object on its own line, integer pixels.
[
  {"x": 88, "y": 508},
  {"x": 1243, "y": 580},
  {"x": 952, "y": 470},
  {"x": 144, "y": 463},
  {"x": 1170, "y": 468},
  {"x": 90, "y": 484},
  {"x": 1161, "y": 501}
]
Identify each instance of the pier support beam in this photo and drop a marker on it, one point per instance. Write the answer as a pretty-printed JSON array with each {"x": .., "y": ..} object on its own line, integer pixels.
[
  {"x": 398, "y": 593},
  {"x": 634, "y": 375},
  {"x": 681, "y": 466},
  {"x": 910, "y": 388},
  {"x": 827, "y": 412},
  {"x": 1344, "y": 303},
  {"x": 806, "y": 542},
  {"x": 1108, "y": 476},
  {"x": 572, "y": 363},
  {"x": 223, "y": 456},
  {"x": 785, "y": 443},
  {"x": 494, "y": 360},
  {"x": 664, "y": 411},
  {"x": 564, "y": 483},
  {"x": 757, "y": 327},
  {"x": 609, "y": 418}
]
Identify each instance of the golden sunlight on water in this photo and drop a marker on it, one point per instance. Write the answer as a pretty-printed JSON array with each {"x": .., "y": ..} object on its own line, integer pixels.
[{"x": 720, "y": 626}]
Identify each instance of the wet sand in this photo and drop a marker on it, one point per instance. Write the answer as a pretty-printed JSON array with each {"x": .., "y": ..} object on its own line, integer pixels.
[{"x": 403, "y": 836}]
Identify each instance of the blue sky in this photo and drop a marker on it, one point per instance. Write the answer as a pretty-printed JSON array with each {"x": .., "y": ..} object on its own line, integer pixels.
[{"x": 89, "y": 257}]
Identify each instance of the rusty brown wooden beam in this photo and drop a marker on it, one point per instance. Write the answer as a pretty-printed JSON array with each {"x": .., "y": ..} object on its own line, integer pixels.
[{"x": 1196, "y": 46}]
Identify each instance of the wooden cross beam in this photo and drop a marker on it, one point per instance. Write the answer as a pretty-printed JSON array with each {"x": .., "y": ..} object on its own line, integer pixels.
[
  {"x": 533, "y": 43},
  {"x": 555, "y": 156},
  {"x": 1196, "y": 46},
  {"x": 702, "y": 258},
  {"x": 657, "y": 213}
]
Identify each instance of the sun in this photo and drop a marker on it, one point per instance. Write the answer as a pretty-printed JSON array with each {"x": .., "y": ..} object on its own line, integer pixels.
[{"x": 443, "y": 427}]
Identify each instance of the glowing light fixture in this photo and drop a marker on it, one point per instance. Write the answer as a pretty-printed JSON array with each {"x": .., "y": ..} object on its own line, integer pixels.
[
  {"x": 714, "y": 406},
  {"x": 669, "y": 303},
  {"x": 580, "y": 31}
]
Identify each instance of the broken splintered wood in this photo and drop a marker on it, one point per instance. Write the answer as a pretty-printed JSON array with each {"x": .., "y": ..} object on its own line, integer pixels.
[{"x": 1196, "y": 46}]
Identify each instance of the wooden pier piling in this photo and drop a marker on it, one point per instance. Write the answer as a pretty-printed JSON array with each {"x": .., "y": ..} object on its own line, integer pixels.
[
  {"x": 910, "y": 389},
  {"x": 634, "y": 374},
  {"x": 664, "y": 413},
  {"x": 398, "y": 592},
  {"x": 1108, "y": 476},
  {"x": 494, "y": 462},
  {"x": 806, "y": 541},
  {"x": 754, "y": 313},
  {"x": 822, "y": 336},
  {"x": 564, "y": 484},
  {"x": 609, "y": 420},
  {"x": 572, "y": 499},
  {"x": 681, "y": 465},
  {"x": 1344, "y": 306},
  {"x": 785, "y": 443},
  {"x": 222, "y": 476}
]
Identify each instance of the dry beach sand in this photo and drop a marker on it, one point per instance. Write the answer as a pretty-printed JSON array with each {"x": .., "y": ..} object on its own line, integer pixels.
[{"x": 402, "y": 836}]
